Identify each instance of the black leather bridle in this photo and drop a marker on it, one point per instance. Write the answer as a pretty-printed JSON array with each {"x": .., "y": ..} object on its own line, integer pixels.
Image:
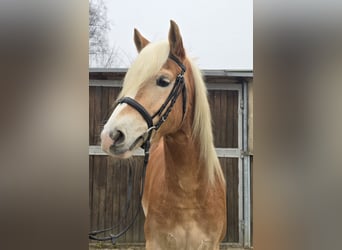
[
  {"x": 165, "y": 109},
  {"x": 163, "y": 112}
]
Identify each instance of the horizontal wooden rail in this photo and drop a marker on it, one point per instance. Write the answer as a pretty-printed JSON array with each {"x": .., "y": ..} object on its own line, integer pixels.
[{"x": 221, "y": 152}]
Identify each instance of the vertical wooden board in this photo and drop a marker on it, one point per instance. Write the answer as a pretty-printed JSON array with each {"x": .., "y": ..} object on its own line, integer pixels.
[
  {"x": 230, "y": 122},
  {"x": 97, "y": 114},
  {"x": 211, "y": 98},
  {"x": 122, "y": 197},
  {"x": 116, "y": 188},
  {"x": 230, "y": 202},
  {"x": 216, "y": 119},
  {"x": 96, "y": 197},
  {"x": 91, "y": 171},
  {"x": 91, "y": 114},
  {"x": 101, "y": 181},
  {"x": 135, "y": 199},
  {"x": 135, "y": 164},
  {"x": 235, "y": 119},
  {"x": 215, "y": 116},
  {"x": 109, "y": 194},
  {"x": 221, "y": 125},
  {"x": 129, "y": 234},
  {"x": 229, "y": 197},
  {"x": 116, "y": 194},
  {"x": 235, "y": 200},
  {"x": 231, "y": 173},
  {"x": 224, "y": 117},
  {"x": 224, "y": 169},
  {"x": 102, "y": 97},
  {"x": 141, "y": 216}
]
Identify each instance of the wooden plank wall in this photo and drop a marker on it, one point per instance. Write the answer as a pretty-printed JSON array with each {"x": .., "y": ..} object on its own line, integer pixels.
[
  {"x": 108, "y": 178},
  {"x": 108, "y": 195}
]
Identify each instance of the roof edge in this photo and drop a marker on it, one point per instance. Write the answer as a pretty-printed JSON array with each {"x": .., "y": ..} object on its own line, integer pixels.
[{"x": 206, "y": 72}]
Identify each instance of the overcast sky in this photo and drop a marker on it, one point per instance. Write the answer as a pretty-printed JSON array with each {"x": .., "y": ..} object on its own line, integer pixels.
[{"x": 218, "y": 33}]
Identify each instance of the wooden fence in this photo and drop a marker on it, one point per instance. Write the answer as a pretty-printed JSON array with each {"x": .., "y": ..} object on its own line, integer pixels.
[{"x": 108, "y": 178}]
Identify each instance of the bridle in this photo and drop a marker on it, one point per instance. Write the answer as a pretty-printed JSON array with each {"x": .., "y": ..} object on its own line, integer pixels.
[{"x": 163, "y": 112}]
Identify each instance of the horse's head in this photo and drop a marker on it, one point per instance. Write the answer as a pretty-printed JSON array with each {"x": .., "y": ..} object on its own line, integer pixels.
[{"x": 151, "y": 85}]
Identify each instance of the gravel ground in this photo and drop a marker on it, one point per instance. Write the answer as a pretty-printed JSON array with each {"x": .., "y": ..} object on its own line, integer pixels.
[{"x": 109, "y": 246}]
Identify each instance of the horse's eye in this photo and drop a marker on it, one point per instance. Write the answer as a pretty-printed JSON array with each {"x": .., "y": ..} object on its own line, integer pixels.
[{"x": 163, "y": 82}]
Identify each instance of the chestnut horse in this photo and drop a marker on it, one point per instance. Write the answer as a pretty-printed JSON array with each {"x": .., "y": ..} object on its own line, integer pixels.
[{"x": 164, "y": 102}]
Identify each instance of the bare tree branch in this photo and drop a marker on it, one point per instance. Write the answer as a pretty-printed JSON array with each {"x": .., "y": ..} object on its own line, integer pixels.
[{"x": 101, "y": 54}]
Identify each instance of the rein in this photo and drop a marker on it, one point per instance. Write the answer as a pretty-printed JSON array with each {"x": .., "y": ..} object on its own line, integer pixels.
[{"x": 163, "y": 112}]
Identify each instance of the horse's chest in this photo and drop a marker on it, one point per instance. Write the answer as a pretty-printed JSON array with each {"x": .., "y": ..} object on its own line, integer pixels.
[
  {"x": 179, "y": 229},
  {"x": 186, "y": 236}
]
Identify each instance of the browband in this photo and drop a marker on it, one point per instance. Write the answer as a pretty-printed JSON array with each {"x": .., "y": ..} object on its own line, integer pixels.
[{"x": 176, "y": 60}]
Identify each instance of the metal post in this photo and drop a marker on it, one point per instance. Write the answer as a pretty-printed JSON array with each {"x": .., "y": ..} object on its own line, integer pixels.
[
  {"x": 240, "y": 165},
  {"x": 246, "y": 172}
]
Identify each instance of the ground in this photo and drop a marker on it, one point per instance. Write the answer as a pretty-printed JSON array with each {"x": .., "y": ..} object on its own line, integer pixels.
[{"x": 109, "y": 246}]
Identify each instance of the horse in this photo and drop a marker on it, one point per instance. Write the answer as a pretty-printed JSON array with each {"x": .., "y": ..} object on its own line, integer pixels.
[{"x": 163, "y": 105}]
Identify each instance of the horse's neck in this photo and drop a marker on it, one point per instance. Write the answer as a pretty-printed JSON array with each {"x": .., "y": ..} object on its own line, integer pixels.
[{"x": 183, "y": 170}]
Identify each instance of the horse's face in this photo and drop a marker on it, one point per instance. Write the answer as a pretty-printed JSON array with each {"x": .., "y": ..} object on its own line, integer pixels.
[{"x": 126, "y": 128}]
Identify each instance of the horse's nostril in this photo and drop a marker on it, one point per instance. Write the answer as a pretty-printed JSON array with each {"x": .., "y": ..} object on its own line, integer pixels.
[{"x": 117, "y": 136}]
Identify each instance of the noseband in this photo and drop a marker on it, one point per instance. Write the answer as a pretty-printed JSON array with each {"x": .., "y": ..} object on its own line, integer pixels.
[{"x": 163, "y": 112}]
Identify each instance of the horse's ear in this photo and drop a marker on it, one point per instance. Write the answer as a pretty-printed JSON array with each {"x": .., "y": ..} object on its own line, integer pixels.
[
  {"x": 139, "y": 40},
  {"x": 175, "y": 41}
]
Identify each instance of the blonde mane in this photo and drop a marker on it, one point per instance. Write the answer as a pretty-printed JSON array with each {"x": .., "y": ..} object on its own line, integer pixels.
[
  {"x": 202, "y": 129},
  {"x": 148, "y": 63}
]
